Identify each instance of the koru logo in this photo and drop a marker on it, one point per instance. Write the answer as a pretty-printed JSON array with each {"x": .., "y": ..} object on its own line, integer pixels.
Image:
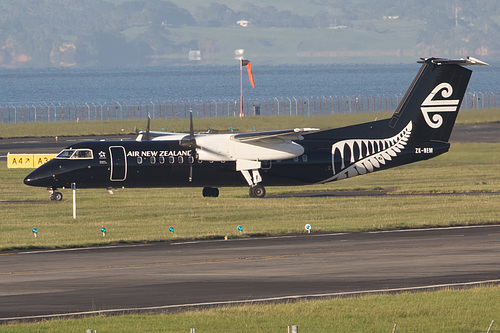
[{"x": 430, "y": 105}]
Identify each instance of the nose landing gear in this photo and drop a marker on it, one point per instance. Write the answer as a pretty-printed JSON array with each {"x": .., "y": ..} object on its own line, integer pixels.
[{"x": 54, "y": 195}]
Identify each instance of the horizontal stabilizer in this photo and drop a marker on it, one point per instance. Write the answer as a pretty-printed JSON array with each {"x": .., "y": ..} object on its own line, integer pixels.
[{"x": 469, "y": 61}]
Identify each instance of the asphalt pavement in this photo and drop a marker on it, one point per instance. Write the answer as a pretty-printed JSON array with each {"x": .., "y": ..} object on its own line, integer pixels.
[{"x": 163, "y": 276}]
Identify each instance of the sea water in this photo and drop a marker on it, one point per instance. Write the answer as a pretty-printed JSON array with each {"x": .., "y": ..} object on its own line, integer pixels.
[{"x": 202, "y": 83}]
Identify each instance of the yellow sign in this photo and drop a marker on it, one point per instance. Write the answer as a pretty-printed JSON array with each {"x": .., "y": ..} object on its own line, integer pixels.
[
  {"x": 28, "y": 160},
  {"x": 39, "y": 159}
]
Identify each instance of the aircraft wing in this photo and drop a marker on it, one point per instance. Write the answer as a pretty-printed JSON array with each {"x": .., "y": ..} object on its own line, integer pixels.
[
  {"x": 158, "y": 135},
  {"x": 278, "y": 135}
]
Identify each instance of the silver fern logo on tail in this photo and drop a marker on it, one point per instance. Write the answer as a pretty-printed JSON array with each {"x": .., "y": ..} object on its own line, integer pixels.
[
  {"x": 360, "y": 156},
  {"x": 431, "y": 105}
]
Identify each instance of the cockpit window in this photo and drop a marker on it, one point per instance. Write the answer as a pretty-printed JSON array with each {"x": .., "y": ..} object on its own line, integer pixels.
[
  {"x": 76, "y": 154},
  {"x": 66, "y": 153},
  {"x": 82, "y": 153}
]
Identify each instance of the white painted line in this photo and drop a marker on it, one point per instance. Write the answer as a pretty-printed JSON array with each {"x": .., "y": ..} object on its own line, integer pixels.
[
  {"x": 83, "y": 248},
  {"x": 258, "y": 238},
  {"x": 256, "y": 300},
  {"x": 336, "y": 234},
  {"x": 255, "y": 238},
  {"x": 436, "y": 229},
  {"x": 233, "y": 240}
]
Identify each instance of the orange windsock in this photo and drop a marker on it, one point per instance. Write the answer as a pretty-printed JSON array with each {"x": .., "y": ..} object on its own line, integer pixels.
[{"x": 248, "y": 65}]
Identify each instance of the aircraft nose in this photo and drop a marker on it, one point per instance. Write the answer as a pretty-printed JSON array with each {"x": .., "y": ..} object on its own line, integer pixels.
[
  {"x": 32, "y": 179},
  {"x": 37, "y": 178},
  {"x": 27, "y": 180}
]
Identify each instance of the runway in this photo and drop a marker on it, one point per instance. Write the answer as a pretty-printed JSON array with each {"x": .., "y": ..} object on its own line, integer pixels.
[{"x": 162, "y": 276}]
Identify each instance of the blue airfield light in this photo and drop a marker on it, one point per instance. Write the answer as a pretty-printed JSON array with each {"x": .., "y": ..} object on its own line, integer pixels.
[
  {"x": 240, "y": 228},
  {"x": 171, "y": 229},
  {"x": 35, "y": 231},
  {"x": 103, "y": 230}
]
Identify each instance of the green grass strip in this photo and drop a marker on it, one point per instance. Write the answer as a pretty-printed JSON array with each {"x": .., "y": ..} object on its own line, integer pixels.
[{"x": 470, "y": 310}]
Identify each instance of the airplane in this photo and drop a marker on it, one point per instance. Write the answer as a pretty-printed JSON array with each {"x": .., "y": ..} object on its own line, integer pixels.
[{"x": 418, "y": 130}]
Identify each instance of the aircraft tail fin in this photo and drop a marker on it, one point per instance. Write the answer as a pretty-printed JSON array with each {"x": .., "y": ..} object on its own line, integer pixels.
[
  {"x": 434, "y": 98},
  {"x": 419, "y": 128}
]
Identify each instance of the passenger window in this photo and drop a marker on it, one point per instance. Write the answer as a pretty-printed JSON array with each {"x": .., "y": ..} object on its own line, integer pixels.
[
  {"x": 162, "y": 160},
  {"x": 304, "y": 158},
  {"x": 180, "y": 159},
  {"x": 171, "y": 159},
  {"x": 139, "y": 160},
  {"x": 152, "y": 160},
  {"x": 191, "y": 159}
]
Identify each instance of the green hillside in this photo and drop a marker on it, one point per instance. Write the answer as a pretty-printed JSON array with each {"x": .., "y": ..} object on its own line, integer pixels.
[{"x": 131, "y": 33}]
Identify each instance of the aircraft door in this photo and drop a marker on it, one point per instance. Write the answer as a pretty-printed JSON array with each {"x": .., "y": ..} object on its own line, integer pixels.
[{"x": 118, "y": 163}]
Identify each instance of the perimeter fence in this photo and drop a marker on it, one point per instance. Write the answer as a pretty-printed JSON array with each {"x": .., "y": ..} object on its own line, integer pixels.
[{"x": 174, "y": 109}]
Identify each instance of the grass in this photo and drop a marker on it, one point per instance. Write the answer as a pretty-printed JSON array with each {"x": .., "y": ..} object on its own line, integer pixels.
[
  {"x": 121, "y": 127},
  {"x": 470, "y": 310}
]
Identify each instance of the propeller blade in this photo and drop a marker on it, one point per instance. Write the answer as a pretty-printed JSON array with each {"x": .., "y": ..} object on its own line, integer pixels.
[
  {"x": 191, "y": 130},
  {"x": 146, "y": 136},
  {"x": 192, "y": 145}
]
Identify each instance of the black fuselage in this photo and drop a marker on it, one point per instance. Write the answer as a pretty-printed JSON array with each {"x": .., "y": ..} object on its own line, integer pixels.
[{"x": 167, "y": 163}]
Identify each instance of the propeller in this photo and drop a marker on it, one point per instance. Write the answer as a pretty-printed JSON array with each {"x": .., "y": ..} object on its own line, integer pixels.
[
  {"x": 146, "y": 136},
  {"x": 191, "y": 144}
]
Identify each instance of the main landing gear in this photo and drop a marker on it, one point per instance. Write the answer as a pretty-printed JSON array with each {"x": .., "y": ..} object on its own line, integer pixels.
[
  {"x": 253, "y": 178},
  {"x": 54, "y": 195},
  {"x": 211, "y": 192},
  {"x": 257, "y": 191}
]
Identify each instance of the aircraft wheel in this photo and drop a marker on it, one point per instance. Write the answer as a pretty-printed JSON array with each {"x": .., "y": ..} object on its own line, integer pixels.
[
  {"x": 211, "y": 192},
  {"x": 257, "y": 191},
  {"x": 56, "y": 196}
]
